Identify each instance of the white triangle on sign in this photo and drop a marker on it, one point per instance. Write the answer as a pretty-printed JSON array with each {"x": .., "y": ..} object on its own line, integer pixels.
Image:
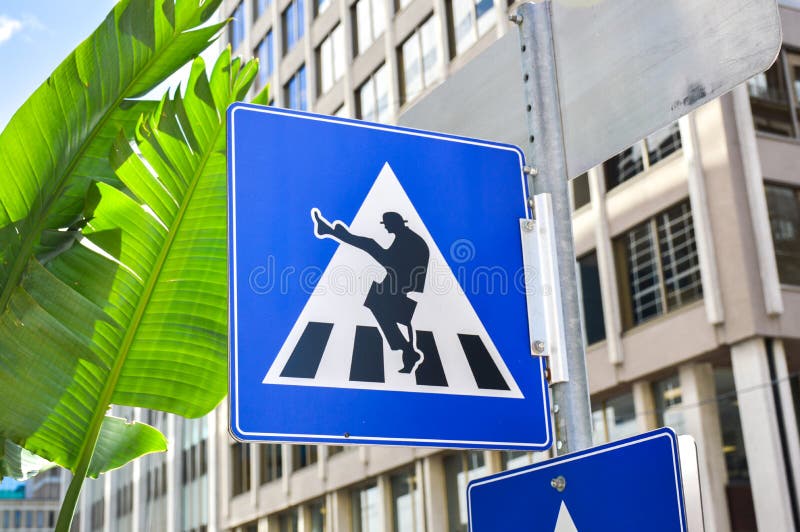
[
  {"x": 338, "y": 301},
  {"x": 564, "y": 523}
]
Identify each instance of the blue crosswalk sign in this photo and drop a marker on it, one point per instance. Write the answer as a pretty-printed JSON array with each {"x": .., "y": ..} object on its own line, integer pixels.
[
  {"x": 377, "y": 286},
  {"x": 630, "y": 484}
]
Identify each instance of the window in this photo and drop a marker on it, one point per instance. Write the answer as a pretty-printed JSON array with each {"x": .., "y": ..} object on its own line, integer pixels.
[
  {"x": 580, "y": 191},
  {"x": 783, "y": 204},
  {"x": 469, "y": 20},
  {"x": 303, "y": 456},
  {"x": 658, "y": 265},
  {"x": 407, "y": 513},
  {"x": 240, "y": 468},
  {"x": 370, "y": 21},
  {"x": 614, "y": 419},
  {"x": 419, "y": 60},
  {"x": 317, "y": 512},
  {"x": 459, "y": 470},
  {"x": 642, "y": 155},
  {"x": 265, "y": 52},
  {"x": 591, "y": 299},
  {"x": 259, "y": 8},
  {"x": 331, "y": 59},
  {"x": 124, "y": 500},
  {"x": 730, "y": 425},
  {"x": 668, "y": 396},
  {"x": 97, "y": 517},
  {"x": 514, "y": 459},
  {"x": 271, "y": 464},
  {"x": 288, "y": 521},
  {"x": 295, "y": 90},
  {"x": 321, "y": 5},
  {"x": 365, "y": 506},
  {"x": 335, "y": 449},
  {"x": 373, "y": 97},
  {"x": 292, "y": 25},
  {"x": 774, "y": 100},
  {"x": 236, "y": 29}
]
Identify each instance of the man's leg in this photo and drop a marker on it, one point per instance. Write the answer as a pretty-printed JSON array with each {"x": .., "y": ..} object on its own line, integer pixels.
[
  {"x": 391, "y": 331},
  {"x": 396, "y": 340}
]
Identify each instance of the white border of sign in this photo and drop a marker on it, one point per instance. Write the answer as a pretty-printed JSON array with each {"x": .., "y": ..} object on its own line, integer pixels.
[{"x": 233, "y": 326}]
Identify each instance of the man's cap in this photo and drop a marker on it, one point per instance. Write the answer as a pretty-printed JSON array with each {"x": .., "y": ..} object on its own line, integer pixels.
[{"x": 389, "y": 217}]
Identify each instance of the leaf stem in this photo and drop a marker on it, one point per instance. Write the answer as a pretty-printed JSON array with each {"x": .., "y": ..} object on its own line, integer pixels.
[{"x": 67, "y": 511}]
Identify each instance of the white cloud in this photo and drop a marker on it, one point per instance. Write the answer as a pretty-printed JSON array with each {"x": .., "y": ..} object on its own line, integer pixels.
[{"x": 8, "y": 27}]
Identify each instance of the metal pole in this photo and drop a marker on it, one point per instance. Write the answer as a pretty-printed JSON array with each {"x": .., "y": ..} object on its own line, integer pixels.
[{"x": 571, "y": 407}]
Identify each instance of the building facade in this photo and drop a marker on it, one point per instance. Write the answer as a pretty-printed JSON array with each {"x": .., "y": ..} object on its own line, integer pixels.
[
  {"x": 32, "y": 506},
  {"x": 688, "y": 247}
]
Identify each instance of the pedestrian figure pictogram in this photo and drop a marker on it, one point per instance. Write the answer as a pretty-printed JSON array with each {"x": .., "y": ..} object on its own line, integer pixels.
[
  {"x": 406, "y": 264},
  {"x": 387, "y": 259}
]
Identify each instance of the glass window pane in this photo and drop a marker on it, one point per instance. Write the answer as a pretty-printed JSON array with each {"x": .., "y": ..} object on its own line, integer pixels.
[
  {"x": 326, "y": 65},
  {"x": 679, "y": 261},
  {"x": 580, "y": 191},
  {"x": 363, "y": 27},
  {"x": 624, "y": 166},
  {"x": 485, "y": 14},
  {"x": 515, "y": 459},
  {"x": 668, "y": 398},
  {"x": 317, "y": 511},
  {"x": 339, "y": 59},
  {"x": 364, "y": 502},
  {"x": 463, "y": 31},
  {"x": 366, "y": 101},
  {"x": 406, "y": 503},
  {"x": 663, "y": 142},
  {"x": 378, "y": 18},
  {"x": 591, "y": 299},
  {"x": 643, "y": 276},
  {"x": 412, "y": 75},
  {"x": 237, "y": 27},
  {"x": 430, "y": 53},
  {"x": 382, "y": 93},
  {"x": 460, "y": 469},
  {"x": 783, "y": 205},
  {"x": 769, "y": 101}
]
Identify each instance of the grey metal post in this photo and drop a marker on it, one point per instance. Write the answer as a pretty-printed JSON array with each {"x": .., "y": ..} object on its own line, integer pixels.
[{"x": 571, "y": 407}]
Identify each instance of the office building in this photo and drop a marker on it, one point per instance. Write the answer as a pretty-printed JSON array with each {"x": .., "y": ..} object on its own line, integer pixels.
[{"x": 688, "y": 248}]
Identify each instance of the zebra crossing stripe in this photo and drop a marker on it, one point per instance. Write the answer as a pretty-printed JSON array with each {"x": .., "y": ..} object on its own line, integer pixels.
[
  {"x": 430, "y": 372},
  {"x": 367, "y": 364},
  {"x": 305, "y": 358},
  {"x": 480, "y": 361}
]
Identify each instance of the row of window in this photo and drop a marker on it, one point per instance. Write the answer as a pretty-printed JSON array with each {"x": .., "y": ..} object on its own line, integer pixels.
[
  {"x": 657, "y": 267},
  {"x": 615, "y": 417},
  {"x": 775, "y": 96},
  {"x": 194, "y": 462},
  {"x": 419, "y": 66},
  {"x": 407, "y": 508},
  {"x": 17, "y": 519},
  {"x": 419, "y": 55}
]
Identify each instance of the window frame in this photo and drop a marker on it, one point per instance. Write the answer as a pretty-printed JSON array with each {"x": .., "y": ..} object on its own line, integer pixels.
[{"x": 621, "y": 248}]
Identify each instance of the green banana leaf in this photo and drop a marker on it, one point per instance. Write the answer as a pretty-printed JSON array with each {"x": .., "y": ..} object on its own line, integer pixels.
[
  {"x": 20, "y": 463},
  {"x": 101, "y": 299}
]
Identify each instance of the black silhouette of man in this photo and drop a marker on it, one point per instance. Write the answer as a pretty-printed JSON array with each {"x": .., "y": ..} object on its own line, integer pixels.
[{"x": 406, "y": 264}]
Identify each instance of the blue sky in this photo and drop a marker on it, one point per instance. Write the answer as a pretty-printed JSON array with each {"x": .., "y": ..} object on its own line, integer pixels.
[{"x": 35, "y": 36}]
